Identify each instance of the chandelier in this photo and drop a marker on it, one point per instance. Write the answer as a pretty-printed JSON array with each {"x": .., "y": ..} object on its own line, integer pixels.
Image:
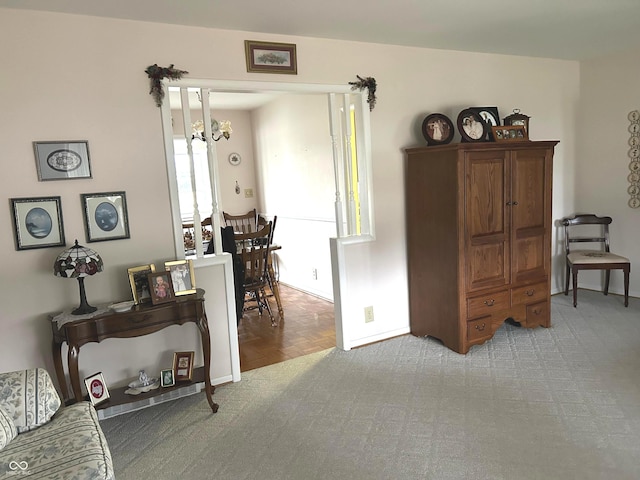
[{"x": 218, "y": 130}]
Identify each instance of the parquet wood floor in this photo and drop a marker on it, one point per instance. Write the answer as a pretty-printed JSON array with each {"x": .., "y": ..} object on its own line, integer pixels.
[{"x": 308, "y": 327}]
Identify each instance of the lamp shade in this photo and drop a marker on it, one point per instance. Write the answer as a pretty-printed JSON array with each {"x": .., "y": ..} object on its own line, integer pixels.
[{"x": 76, "y": 262}]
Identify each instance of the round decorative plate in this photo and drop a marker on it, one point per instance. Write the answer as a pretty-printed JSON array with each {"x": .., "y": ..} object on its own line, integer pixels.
[
  {"x": 471, "y": 126},
  {"x": 235, "y": 159},
  {"x": 437, "y": 129}
]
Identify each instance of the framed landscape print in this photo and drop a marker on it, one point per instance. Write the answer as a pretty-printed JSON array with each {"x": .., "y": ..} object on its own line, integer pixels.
[
  {"x": 62, "y": 160},
  {"x": 105, "y": 216},
  {"x": 270, "y": 57},
  {"x": 37, "y": 222}
]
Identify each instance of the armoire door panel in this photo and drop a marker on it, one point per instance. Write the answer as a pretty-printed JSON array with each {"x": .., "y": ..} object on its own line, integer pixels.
[
  {"x": 486, "y": 267},
  {"x": 528, "y": 189},
  {"x": 529, "y": 258}
]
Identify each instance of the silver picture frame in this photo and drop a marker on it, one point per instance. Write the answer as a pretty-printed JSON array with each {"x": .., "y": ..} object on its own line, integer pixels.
[{"x": 62, "y": 160}]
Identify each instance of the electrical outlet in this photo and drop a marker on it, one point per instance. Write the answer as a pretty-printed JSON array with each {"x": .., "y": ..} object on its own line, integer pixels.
[
  {"x": 248, "y": 193},
  {"x": 368, "y": 314},
  {"x": 314, "y": 273}
]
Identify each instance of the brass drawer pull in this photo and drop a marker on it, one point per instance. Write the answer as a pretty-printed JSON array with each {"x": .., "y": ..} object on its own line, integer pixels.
[
  {"x": 489, "y": 303},
  {"x": 537, "y": 311},
  {"x": 530, "y": 292},
  {"x": 480, "y": 328}
]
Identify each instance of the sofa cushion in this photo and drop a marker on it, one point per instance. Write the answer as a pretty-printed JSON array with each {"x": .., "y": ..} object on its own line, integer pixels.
[
  {"x": 70, "y": 446},
  {"x": 29, "y": 397},
  {"x": 7, "y": 429}
]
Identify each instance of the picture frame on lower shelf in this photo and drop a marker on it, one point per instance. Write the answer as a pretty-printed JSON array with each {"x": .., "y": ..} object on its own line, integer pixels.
[
  {"x": 183, "y": 366},
  {"x": 167, "y": 378},
  {"x": 37, "y": 222},
  {"x": 506, "y": 133},
  {"x": 97, "y": 388}
]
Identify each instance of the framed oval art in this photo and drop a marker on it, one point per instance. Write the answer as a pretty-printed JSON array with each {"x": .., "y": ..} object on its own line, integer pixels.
[{"x": 437, "y": 129}]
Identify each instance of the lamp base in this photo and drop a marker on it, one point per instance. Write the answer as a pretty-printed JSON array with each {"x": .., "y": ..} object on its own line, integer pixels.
[{"x": 84, "y": 309}]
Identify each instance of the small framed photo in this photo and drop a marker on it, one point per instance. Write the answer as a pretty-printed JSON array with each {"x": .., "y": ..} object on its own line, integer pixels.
[
  {"x": 515, "y": 133},
  {"x": 437, "y": 129},
  {"x": 62, "y": 160},
  {"x": 182, "y": 276},
  {"x": 139, "y": 281},
  {"x": 471, "y": 126},
  {"x": 489, "y": 116},
  {"x": 161, "y": 287},
  {"x": 37, "y": 222},
  {"x": 183, "y": 365},
  {"x": 167, "y": 379},
  {"x": 105, "y": 216},
  {"x": 96, "y": 388},
  {"x": 270, "y": 57}
]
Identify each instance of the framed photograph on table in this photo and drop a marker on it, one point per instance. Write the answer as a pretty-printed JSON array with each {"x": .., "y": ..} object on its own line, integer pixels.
[
  {"x": 62, "y": 160},
  {"x": 105, "y": 216},
  {"x": 139, "y": 281},
  {"x": 182, "y": 276},
  {"x": 183, "y": 365},
  {"x": 161, "y": 287},
  {"x": 96, "y": 388},
  {"x": 270, "y": 57},
  {"x": 37, "y": 222}
]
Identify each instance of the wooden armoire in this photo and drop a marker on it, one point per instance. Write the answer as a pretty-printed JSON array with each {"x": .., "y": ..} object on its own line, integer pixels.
[{"x": 479, "y": 225}]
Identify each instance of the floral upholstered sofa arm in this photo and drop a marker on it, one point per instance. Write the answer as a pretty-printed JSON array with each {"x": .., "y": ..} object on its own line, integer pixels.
[
  {"x": 29, "y": 397},
  {"x": 38, "y": 439}
]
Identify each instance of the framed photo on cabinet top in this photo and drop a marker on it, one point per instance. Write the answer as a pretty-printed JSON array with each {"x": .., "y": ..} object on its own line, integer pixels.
[
  {"x": 437, "y": 129},
  {"x": 513, "y": 133},
  {"x": 471, "y": 126}
]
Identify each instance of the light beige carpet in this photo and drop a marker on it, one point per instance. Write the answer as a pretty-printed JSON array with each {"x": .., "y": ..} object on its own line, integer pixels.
[{"x": 558, "y": 403}]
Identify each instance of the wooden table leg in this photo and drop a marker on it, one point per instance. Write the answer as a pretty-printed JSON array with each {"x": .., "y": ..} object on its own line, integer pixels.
[
  {"x": 57, "y": 362},
  {"x": 203, "y": 326},
  {"x": 72, "y": 361}
]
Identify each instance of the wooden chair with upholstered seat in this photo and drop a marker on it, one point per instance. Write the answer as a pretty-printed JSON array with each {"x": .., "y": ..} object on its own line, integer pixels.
[
  {"x": 245, "y": 223},
  {"x": 601, "y": 259},
  {"x": 253, "y": 248}
]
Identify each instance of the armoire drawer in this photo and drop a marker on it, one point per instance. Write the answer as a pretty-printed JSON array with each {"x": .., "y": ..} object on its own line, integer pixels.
[
  {"x": 529, "y": 293},
  {"x": 479, "y": 328},
  {"x": 538, "y": 315},
  {"x": 487, "y": 304}
]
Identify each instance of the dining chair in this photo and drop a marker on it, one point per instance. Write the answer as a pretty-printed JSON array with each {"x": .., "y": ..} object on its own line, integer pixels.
[
  {"x": 245, "y": 223},
  {"x": 600, "y": 259},
  {"x": 253, "y": 249}
]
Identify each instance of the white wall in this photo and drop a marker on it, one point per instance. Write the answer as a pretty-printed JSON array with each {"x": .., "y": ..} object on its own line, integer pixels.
[
  {"x": 294, "y": 161},
  {"x": 74, "y": 77}
]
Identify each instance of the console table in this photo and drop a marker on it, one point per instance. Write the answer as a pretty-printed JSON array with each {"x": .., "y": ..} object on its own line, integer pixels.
[{"x": 140, "y": 320}]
